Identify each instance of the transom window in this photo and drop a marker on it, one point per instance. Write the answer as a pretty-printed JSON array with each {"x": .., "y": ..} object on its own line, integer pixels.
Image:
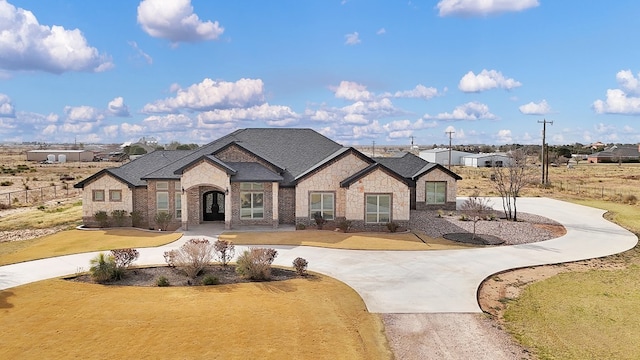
[
  {"x": 436, "y": 192},
  {"x": 115, "y": 195},
  {"x": 98, "y": 195},
  {"x": 251, "y": 200},
  {"x": 162, "y": 185},
  {"x": 322, "y": 203},
  {"x": 378, "y": 208}
]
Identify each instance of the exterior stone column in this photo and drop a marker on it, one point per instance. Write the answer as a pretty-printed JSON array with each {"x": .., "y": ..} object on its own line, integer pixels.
[
  {"x": 274, "y": 203},
  {"x": 185, "y": 210},
  {"x": 227, "y": 205}
]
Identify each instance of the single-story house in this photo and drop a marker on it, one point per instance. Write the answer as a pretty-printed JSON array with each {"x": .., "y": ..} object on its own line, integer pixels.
[
  {"x": 263, "y": 176},
  {"x": 59, "y": 155},
  {"x": 616, "y": 153},
  {"x": 486, "y": 160},
  {"x": 441, "y": 156}
]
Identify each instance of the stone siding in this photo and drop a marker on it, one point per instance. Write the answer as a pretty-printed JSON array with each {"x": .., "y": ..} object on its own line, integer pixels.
[
  {"x": 105, "y": 182},
  {"x": 378, "y": 182},
  {"x": 421, "y": 193}
]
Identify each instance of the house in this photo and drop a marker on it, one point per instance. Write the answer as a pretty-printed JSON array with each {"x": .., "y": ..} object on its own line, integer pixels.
[
  {"x": 441, "y": 156},
  {"x": 616, "y": 153},
  {"x": 56, "y": 155},
  {"x": 486, "y": 160},
  {"x": 265, "y": 176}
]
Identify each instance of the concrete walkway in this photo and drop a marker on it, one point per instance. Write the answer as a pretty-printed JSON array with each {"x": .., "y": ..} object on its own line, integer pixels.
[{"x": 406, "y": 281}]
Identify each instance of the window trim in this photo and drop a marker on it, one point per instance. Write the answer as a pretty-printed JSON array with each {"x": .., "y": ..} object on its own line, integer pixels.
[
  {"x": 97, "y": 191},
  {"x": 426, "y": 192},
  {"x": 115, "y": 191},
  {"x": 322, "y": 209},
  {"x": 366, "y": 212}
]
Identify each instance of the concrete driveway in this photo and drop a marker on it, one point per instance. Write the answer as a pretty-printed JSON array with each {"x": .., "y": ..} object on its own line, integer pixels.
[{"x": 409, "y": 281}]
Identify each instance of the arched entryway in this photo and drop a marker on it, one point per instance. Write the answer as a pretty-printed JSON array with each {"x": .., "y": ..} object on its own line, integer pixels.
[{"x": 213, "y": 206}]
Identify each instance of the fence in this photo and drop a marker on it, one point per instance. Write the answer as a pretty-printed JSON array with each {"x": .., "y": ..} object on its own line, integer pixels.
[
  {"x": 38, "y": 195},
  {"x": 602, "y": 192}
]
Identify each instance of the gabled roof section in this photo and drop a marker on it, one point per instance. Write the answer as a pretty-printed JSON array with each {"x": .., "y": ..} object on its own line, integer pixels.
[
  {"x": 369, "y": 169},
  {"x": 433, "y": 166},
  {"x": 253, "y": 172},
  {"x": 208, "y": 158},
  {"x": 336, "y": 155},
  {"x": 406, "y": 164},
  {"x": 247, "y": 148},
  {"x": 109, "y": 172}
]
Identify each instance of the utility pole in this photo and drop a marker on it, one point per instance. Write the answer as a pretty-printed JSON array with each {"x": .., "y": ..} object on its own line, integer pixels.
[
  {"x": 545, "y": 155},
  {"x": 373, "y": 149},
  {"x": 410, "y": 150},
  {"x": 450, "y": 133}
]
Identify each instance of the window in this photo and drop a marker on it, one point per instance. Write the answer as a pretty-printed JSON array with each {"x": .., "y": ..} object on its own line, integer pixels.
[
  {"x": 177, "y": 186},
  {"x": 378, "y": 209},
  {"x": 115, "y": 195},
  {"x": 436, "y": 192},
  {"x": 98, "y": 195},
  {"x": 162, "y": 201},
  {"x": 162, "y": 185},
  {"x": 178, "y": 202},
  {"x": 321, "y": 203},
  {"x": 251, "y": 200}
]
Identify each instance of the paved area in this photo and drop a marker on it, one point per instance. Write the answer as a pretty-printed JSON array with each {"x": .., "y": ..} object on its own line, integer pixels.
[{"x": 406, "y": 281}]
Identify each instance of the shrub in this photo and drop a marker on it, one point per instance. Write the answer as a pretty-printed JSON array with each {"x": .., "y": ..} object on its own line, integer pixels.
[
  {"x": 162, "y": 220},
  {"x": 464, "y": 217},
  {"x": 6, "y": 183},
  {"x": 392, "y": 226},
  {"x": 42, "y": 207},
  {"x": 210, "y": 280},
  {"x": 255, "y": 263},
  {"x": 300, "y": 226},
  {"x": 630, "y": 199},
  {"x": 162, "y": 281},
  {"x": 225, "y": 250},
  {"x": 191, "y": 257},
  {"x": 440, "y": 213},
  {"x": 102, "y": 218},
  {"x": 102, "y": 268},
  {"x": 136, "y": 218},
  {"x": 319, "y": 220},
  {"x": 300, "y": 265},
  {"x": 5, "y": 206},
  {"x": 124, "y": 257},
  {"x": 345, "y": 225},
  {"x": 119, "y": 216}
]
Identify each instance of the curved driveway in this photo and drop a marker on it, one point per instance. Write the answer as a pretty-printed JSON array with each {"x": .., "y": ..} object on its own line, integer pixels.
[{"x": 409, "y": 281}]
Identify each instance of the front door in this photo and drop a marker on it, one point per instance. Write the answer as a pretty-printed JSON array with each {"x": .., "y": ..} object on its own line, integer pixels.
[{"x": 213, "y": 206}]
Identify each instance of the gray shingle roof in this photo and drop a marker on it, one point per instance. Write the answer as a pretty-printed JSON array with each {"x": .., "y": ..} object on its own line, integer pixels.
[
  {"x": 406, "y": 165},
  {"x": 248, "y": 172}
]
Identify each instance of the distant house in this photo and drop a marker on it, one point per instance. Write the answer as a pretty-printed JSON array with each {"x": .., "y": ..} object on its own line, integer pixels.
[
  {"x": 616, "y": 153},
  {"x": 486, "y": 160},
  {"x": 59, "y": 155},
  {"x": 270, "y": 177},
  {"x": 441, "y": 156}
]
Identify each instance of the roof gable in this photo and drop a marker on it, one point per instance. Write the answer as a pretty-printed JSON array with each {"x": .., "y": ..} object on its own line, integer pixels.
[{"x": 368, "y": 170}]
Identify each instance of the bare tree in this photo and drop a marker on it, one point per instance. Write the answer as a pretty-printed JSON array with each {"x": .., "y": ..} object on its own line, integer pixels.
[
  {"x": 477, "y": 208},
  {"x": 510, "y": 179}
]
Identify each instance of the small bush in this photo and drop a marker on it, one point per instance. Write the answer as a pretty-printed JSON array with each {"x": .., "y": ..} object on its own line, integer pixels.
[
  {"x": 464, "y": 217},
  {"x": 392, "y": 226},
  {"x": 119, "y": 216},
  {"x": 345, "y": 225},
  {"x": 102, "y": 268},
  {"x": 192, "y": 257},
  {"x": 300, "y": 265},
  {"x": 491, "y": 217},
  {"x": 256, "y": 263},
  {"x": 320, "y": 221},
  {"x": 42, "y": 207},
  {"x": 300, "y": 226},
  {"x": 210, "y": 280},
  {"x": 5, "y": 206},
  {"x": 102, "y": 218},
  {"x": 225, "y": 250},
  {"x": 162, "y": 220},
  {"x": 630, "y": 199},
  {"x": 440, "y": 213},
  {"x": 162, "y": 281},
  {"x": 136, "y": 218},
  {"x": 6, "y": 183},
  {"x": 124, "y": 257}
]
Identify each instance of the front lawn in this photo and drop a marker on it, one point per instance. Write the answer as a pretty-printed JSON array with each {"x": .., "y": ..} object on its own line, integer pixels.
[
  {"x": 340, "y": 240},
  {"x": 294, "y": 319},
  {"x": 80, "y": 241}
]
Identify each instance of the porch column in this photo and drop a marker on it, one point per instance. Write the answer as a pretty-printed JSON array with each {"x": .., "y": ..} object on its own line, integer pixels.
[
  {"x": 227, "y": 205},
  {"x": 185, "y": 210},
  {"x": 274, "y": 201}
]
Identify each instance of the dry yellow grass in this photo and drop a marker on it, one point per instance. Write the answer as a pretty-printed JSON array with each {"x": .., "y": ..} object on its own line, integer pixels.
[
  {"x": 339, "y": 240},
  {"x": 65, "y": 214},
  {"x": 295, "y": 319},
  {"x": 79, "y": 241}
]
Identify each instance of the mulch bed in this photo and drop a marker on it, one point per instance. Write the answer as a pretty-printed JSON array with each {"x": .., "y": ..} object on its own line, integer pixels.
[
  {"x": 480, "y": 239},
  {"x": 148, "y": 276}
]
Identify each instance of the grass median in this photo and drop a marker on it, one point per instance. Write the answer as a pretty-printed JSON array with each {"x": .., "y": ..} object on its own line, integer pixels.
[
  {"x": 79, "y": 241},
  {"x": 304, "y": 318}
]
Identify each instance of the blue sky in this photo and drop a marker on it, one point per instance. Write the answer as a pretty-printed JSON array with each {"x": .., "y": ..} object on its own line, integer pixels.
[{"x": 357, "y": 71}]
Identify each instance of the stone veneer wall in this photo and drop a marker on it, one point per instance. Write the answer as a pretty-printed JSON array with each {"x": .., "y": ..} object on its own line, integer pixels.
[
  {"x": 436, "y": 175},
  {"x": 378, "y": 182},
  {"x": 267, "y": 218},
  {"x": 287, "y": 205},
  {"x": 327, "y": 179},
  {"x": 106, "y": 183}
]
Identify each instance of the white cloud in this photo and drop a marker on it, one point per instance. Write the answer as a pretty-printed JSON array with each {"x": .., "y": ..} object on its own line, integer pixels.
[
  {"x": 400, "y": 134},
  {"x": 147, "y": 58},
  {"x": 117, "y": 107},
  {"x": 372, "y": 130},
  {"x": 381, "y": 31},
  {"x": 380, "y": 107},
  {"x": 419, "y": 92},
  {"x": 486, "y": 80},
  {"x": 504, "y": 137},
  {"x": 77, "y": 128},
  {"x": 27, "y": 45},
  {"x": 352, "y": 39},
  {"x": 322, "y": 115},
  {"x": 628, "y": 81},
  {"x": 355, "y": 119},
  {"x": 169, "y": 122},
  {"x": 352, "y": 91},
  {"x": 131, "y": 129},
  {"x": 468, "y": 111},
  {"x": 111, "y": 131},
  {"x": 617, "y": 102},
  {"x": 483, "y": 7},
  {"x": 210, "y": 95},
  {"x": 276, "y": 114},
  {"x": 82, "y": 113},
  {"x": 6, "y": 107},
  {"x": 541, "y": 108},
  {"x": 175, "y": 20}
]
